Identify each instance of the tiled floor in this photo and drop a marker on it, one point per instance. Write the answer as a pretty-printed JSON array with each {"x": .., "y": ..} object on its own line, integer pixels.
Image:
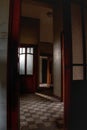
[{"x": 40, "y": 113}]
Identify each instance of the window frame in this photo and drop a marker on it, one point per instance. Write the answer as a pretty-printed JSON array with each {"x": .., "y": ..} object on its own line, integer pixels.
[{"x": 26, "y": 46}]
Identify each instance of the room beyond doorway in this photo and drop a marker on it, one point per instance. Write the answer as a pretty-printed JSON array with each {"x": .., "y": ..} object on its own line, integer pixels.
[
  {"x": 16, "y": 90},
  {"x": 45, "y": 71},
  {"x": 35, "y": 116}
]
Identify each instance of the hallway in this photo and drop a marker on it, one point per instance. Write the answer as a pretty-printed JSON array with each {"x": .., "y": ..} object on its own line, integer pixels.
[{"x": 40, "y": 112}]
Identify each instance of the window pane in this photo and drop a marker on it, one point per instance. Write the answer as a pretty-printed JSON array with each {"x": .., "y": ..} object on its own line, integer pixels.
[
  {"x": 77, "y": 73},
  {"x": 22, "y": 64},
  {"x": 22, "y": 50},
  {"x": 31, "y": 50},
  {"x": 28, "y": 50},
  {"x": 29, "y": 64}
]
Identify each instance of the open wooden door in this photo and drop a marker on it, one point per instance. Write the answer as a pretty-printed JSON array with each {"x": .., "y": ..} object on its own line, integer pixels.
[
  {"x": 13, "y": 75},
  {"x": 67, "y": 60}
]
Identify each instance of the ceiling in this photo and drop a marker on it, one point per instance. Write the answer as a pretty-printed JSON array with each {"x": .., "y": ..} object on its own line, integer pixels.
[
  {"x": 42, "y": 1},
  {"x": 51, "y": 2},
  {"x": 35, "y": 11}
]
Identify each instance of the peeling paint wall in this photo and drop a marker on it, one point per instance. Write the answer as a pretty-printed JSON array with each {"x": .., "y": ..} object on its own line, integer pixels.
[{"x": 4, "y": 13}]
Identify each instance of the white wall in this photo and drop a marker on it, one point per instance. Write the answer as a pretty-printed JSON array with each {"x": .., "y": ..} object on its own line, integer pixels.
[
  {"x": 46, "y": 23},
  {"x": 57, "y": 50},
  {"x": 4, "y": 6}
]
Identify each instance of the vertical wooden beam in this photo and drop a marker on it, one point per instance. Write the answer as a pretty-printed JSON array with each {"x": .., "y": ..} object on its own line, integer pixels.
[
  {"x": 48, "y": 71},
  {"x": 12, "y": 68},
  {"x": 62, "y": 67},
  {"x": 67, "y": 58}
]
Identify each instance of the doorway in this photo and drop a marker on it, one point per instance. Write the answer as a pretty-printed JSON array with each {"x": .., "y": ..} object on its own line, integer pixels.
[
  {"x": 27, "y": 68},
  {"x": 34, "y": 15},
  {"x": 17, "y": 91},
  {"x": 46, "y": 75},
  {"x": 44, "y": 70}
]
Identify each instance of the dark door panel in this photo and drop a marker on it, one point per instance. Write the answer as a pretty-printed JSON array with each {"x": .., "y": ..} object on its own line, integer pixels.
[{"x": 44, "y": 71}]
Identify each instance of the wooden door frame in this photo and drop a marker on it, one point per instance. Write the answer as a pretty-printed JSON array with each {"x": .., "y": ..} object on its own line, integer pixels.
[
  {"x": 12, "y": 71},
  {"x": 13, "y": 40},
  {"x": 67, "y": 59},
  {"x": 62, "y": 67},
  {"x": 33, "y": 76}
]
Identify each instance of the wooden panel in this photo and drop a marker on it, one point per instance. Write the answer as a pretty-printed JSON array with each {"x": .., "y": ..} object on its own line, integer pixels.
[
  {"x": 27, "y": 84},
  {"x": 67, "y": 59},
  {"x": 12, "y": 78},
  {"x": 78, "y": 105},
  {"x": 76, "y": 32},
  {"x": 62, "y": 67}
]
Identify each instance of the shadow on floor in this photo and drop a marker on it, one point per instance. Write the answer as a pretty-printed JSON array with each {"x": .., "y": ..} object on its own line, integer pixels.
[{"x": 44, "y": 90}]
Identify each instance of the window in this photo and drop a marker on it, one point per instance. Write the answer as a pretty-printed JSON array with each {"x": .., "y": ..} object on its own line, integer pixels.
[{"x": 26, "y": 60}]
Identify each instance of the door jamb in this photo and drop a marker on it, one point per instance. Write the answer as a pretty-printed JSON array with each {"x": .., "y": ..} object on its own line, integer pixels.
[{"x": 14, "y": 21}]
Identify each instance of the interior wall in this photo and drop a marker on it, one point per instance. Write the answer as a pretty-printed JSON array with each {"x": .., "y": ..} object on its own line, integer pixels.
[
  {"x": 46, "y": 48},
  {"x": 58, "y": 28},
  {"x": 4, "y": 13},
  {"x": 46, "y": 22},
  {"x": 46, "y": 29},
  {"x": 46, "y": 35},
  {"x": 29, "y": 30},
  {"x": 85, "y": 18}
]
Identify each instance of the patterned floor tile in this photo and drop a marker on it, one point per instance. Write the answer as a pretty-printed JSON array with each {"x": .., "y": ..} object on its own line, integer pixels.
[{"x": 40, "y": 113}]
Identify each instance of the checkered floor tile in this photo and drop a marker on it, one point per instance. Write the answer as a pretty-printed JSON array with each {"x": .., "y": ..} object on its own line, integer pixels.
[{"x": 40, "y": 113}]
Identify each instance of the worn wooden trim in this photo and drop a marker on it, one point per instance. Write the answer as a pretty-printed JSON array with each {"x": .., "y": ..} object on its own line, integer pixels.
[
  {"x": 83, "y": 40},
  {"x": 67, "y": 59}
]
